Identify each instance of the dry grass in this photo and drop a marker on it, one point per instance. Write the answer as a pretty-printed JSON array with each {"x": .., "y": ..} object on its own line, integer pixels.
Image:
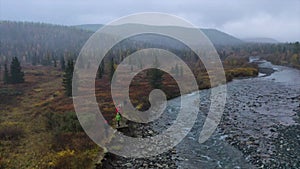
[{"x": 25, "y": 140}]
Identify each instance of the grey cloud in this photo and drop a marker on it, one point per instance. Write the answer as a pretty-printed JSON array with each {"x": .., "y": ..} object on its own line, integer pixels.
[{"x": 248, "y": 18}]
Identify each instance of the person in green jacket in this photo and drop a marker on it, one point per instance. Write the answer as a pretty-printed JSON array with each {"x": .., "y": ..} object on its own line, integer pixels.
[{"x": 118, "y": 118}]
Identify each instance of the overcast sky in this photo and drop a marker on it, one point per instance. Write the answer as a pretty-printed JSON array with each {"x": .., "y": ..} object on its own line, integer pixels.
[{"x": 278, "y": 19}]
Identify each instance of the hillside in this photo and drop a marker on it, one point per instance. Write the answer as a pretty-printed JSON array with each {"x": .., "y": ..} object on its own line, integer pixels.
[
  {"x": 39, "y": 42},
  {"x": 217, "y": 37},
  {"x": 261, "y": 40},
  {"x": 89, "y": 27},
  {"x": 220, "y": 38}
]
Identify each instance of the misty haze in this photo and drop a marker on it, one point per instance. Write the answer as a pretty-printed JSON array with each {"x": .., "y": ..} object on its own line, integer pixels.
[{"x": 239, "y": 106}]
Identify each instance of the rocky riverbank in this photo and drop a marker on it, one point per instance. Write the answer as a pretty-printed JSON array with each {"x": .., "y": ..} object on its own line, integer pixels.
[
  {"x": 264, "y": 141},
  {"x": 261, "y": 119},
  {"x": 165, "y": 160},
  {"x": 259, "y": 128}
]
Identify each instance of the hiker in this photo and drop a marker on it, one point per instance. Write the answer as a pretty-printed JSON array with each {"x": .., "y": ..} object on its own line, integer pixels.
[
  {"x": 118, "y": 109},
  {"x": 118, "y": 118}
]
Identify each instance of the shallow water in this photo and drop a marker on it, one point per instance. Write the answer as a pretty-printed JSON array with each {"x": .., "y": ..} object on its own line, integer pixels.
[
  {"x": 254, "y": 106},
  {"x": 255, "y": 111},
  {"x": 286, "y": 75}
]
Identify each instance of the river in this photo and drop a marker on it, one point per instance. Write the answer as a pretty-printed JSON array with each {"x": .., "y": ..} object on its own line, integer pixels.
[{"x": 257, "y": 112}]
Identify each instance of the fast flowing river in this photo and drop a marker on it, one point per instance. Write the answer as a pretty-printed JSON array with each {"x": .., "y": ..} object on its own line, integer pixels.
[{"x": 250, "y": 133}]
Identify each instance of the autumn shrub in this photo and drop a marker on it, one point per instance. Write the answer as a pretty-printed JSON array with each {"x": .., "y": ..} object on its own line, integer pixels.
[
  {"x": 63, "y": 122},
  {"x": 8, "y": 96},
  {"x": 242, "y": 72},
  {"x": 3, "y": 163},
  {"x": 10, "y": 132},
  {"x": 10, "y": 92},
  {"x": 67, "y": 132},
  {"x": 229, "y": 76},
  {"x": 77, "y": 141},
  {"x": 70, "y": 159},
  {"x": 235, "y": 61},
  {"x": 203, "y": 81}
]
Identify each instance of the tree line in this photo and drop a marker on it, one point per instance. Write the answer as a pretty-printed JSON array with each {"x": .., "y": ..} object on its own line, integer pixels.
[{"x": 39, "y": 43}]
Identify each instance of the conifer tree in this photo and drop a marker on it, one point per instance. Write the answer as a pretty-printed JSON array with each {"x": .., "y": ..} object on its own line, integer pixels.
[
  {"x": 101, "y": 70},
  {"x": 67, "y": 78},
  {"x": 176, "y": 70},
  {"x": 181, "y": 71},
  {"x": 54, "y": 62},
  {"x": 62, "y": 63},
  {"x": 5, "y": 75},
  {"x": 16, "y": 74},
  {"x": 112, "y": 68},
  {"x": 156, "y": 75}
]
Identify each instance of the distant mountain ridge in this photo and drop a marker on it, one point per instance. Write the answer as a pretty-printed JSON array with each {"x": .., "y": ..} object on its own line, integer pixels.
[
  {"x": 221, "y": 38},
  {"x": 216, "y": 37},
  {"x": 40, "y": 43},
  {"x": 260, "y": 40},
  {"x": 89, "y": 27}
]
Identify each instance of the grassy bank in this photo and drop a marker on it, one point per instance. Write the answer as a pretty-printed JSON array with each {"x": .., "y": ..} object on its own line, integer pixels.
[{"x": 27, "y": 140}]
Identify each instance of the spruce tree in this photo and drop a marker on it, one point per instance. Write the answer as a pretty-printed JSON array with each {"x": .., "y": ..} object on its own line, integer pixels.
[
  {"x": 54, "y": 62},
  {"x": 16, "y": 74},
  {"x": 34, "y": 60},
  {"x": 176, "y": 70},
  {"x": 172, "y": 70},
  {"x": 5, "y": 75},
  {"x": 100, "y": 70},
  {"x": 156, "y": 75},
  {"x": 112, "y": 68},
  {"x": 67, "y": 78},
  {"x": 62, "y": 63},
  {"x": 181, "y": 71}
]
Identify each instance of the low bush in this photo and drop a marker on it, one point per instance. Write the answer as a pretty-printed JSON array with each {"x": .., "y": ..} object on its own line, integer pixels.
[
  {"x": 63, "y": 122},
  {"x": 10, "y": 132},
  {"x": 70, "y": 159},
  {"x": 3, "y": 164},
  {"x": 242, "y": 72},
  {"x": 10, "y": 92},
  {"x": 203, "y": 81}
]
